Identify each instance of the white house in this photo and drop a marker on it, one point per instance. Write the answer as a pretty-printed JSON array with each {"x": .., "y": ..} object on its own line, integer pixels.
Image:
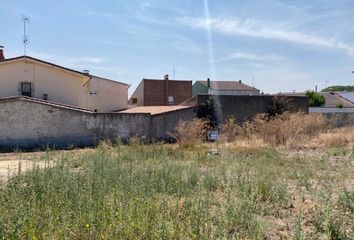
[{"x": 35, "y": 78}]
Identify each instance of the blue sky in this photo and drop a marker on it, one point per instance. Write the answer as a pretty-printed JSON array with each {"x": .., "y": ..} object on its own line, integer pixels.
[{"x": 275, "y": 45}]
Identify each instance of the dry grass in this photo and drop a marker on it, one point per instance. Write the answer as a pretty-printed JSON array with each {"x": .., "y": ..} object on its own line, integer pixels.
[
  {"x": 191, "y": 133},
  {"x": 290, "y": 130},
  {"x": 336, "y": 137},
  {"x": 157, "y": 191},
  {"x": 293, "y": 130}
]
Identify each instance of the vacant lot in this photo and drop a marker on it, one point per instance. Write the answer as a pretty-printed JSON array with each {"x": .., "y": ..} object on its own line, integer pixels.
[{"x": 176, "y": 192}]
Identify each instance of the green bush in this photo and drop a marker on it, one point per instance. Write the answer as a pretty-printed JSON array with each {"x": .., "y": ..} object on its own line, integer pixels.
[
  {"x": 339, "y": 105},
  {"x": 315, "y": 99}
]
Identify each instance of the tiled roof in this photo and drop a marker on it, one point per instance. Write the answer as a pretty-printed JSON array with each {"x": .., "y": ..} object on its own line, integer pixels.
[
  {"x": 58, "y": 66},
  {"x": 44, "y": 62},
  {"x": 154, "y": 110},
  {"x": 333, "y": 98},
  {"x": 227, "y": 85},
  {"x": 347, "y": 95},
  {"x": 44, "y": 102},
  {"x": 171, "y": 80}
]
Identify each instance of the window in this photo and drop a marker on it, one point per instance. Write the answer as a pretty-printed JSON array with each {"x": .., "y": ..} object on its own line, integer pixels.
[
  {"x": 26, "y": 89},
  {"x": 134, "y": 100}
]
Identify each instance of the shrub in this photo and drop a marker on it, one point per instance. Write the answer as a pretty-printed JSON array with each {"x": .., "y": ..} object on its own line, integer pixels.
[
  {"x": 339, "y": 105},
  {"x": 292, "y": 129},
  {"x": 315, "y": 99},
  {"x": 192, "y": 132},
  {"x": 209, "y": 110},
  {"x": 280, "y": 105}
]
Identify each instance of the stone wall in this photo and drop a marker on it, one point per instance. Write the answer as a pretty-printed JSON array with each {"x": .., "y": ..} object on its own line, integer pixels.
[{"x": 26, "y": 124}]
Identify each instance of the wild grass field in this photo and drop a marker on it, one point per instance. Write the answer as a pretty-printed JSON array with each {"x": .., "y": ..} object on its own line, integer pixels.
[{"x": 251, "y": 189}]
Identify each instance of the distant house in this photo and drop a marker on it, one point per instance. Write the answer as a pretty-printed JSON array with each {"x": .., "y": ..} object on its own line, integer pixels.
[
  {"x": 158, "y": 92},
  {"x": 223, "y": 88},
  {"x": 333, "y": 99},
  {"x": 35, "y": 78},
  {"x": 347, "y": 95}
]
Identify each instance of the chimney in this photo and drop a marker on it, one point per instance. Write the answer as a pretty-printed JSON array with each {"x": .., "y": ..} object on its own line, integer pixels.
[
  {"x": 239, "y": 81},
  {"x": 165, "y": 78},
  {"x": 208, "y": 82},
  {"x": 2, "y": 57}
]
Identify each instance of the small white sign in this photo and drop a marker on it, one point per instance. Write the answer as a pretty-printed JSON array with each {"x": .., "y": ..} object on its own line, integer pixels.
[
  {"x": 213, "y": 135},
  {"x": 170, "y": 99}
]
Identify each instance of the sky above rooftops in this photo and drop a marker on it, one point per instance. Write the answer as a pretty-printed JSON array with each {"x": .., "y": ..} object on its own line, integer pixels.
[{"x": 274, "y": 45}]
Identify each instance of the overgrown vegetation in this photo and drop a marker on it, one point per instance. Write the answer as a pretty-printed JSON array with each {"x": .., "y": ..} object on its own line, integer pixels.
[
  {"x": 263, "y": 185},
  {"x": 280, "y": 105},
  {"x": 339, "y": 88},
  {"x": 315, "y": 99},
  {"x": 294, "y": 130}
]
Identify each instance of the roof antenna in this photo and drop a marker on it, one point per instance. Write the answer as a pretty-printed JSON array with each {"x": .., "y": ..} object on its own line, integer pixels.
[{"x": 25, "y": 38}]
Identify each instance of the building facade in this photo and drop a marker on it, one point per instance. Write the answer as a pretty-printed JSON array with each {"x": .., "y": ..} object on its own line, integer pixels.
[
  {"x": 31, "y": 77},
  {"x": 156, "y": 92},
  {"x": 226, "y": 88}
]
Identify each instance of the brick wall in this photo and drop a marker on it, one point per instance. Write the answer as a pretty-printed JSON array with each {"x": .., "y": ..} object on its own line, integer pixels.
[{"x": 155, "y": 93}]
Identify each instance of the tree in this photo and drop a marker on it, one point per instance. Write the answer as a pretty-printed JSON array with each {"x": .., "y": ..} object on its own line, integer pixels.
[
  {"x": 315, "y": 99},
  {"x": 339, "y": 88}
]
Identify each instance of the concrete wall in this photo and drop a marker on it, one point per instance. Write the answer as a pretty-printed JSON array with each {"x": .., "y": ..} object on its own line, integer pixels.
[
  {"x": 26, "y": 124},
  {"x": 167, "y": 122},
  {"x": 244, "y": 108},
  {"x": 62, "y": 86},
  {"x": 339, "y": 119},
  {"x": 330, "y": 110}
]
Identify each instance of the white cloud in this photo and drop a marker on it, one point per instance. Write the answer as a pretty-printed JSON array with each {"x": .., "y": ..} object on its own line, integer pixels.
[
  {"x": 258, "y": 29},
  {"x": 67, "y": 60},
  {"x": 251, "y": 57}
]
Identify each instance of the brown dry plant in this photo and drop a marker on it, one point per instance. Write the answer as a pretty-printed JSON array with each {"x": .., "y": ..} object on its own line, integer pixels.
[
  {"x": 290, "y": 129},
  {"x": 191, "y": 133}
]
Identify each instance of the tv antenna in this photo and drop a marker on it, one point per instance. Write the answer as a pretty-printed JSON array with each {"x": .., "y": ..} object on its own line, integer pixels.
[{"x": 25, "y": 38}]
